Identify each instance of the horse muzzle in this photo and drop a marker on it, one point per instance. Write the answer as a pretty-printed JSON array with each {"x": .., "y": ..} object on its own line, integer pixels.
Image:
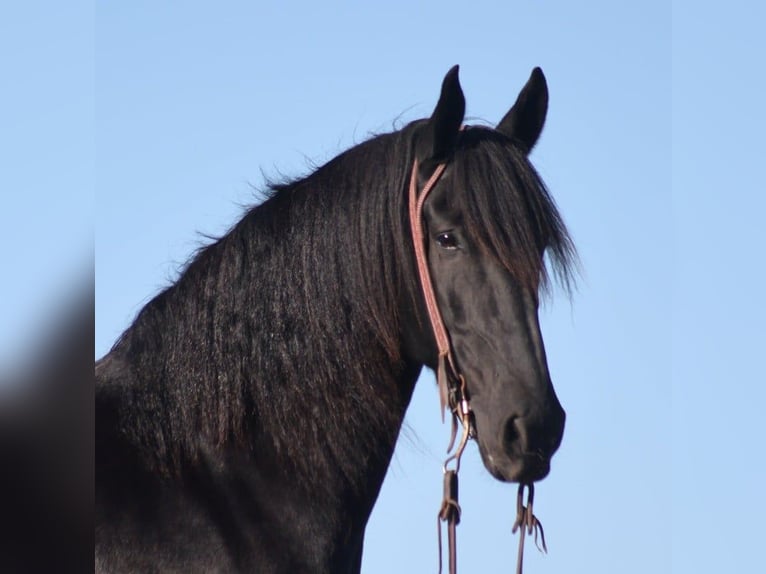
[{"x": 520, "y": 448}]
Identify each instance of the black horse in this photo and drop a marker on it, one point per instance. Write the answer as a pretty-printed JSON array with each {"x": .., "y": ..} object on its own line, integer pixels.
[{"x": 246, "y": 419}]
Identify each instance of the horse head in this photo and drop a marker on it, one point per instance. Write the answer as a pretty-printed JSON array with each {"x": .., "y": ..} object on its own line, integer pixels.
[{"x": 488, "y": 223}]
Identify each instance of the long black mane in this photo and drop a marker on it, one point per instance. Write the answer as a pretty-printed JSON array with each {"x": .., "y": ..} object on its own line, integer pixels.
[{"x": 290, "y": 315}]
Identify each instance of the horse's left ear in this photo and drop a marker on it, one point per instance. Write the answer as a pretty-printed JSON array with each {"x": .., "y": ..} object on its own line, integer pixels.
[
  {"x": 439, "y": 135},
  {"x": 524, "y": 122}
]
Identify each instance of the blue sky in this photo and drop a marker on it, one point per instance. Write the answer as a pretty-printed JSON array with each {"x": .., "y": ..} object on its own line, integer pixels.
[{"x": 168, "y": 114}]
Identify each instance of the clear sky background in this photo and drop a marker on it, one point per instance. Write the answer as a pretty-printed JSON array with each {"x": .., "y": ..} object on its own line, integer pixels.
[{"x": 653, "y": 149}]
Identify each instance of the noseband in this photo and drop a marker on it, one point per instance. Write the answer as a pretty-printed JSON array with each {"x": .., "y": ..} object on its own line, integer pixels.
[{"x": 453, "y": 392}]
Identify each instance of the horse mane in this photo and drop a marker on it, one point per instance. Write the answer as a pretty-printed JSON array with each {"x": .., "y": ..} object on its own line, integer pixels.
[
  {"x": 285, "y": 332},
  {"x": 285, "y": 328}
]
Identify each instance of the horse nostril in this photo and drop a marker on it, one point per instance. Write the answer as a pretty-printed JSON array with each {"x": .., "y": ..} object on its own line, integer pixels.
[{"x": 510, "y": 434}]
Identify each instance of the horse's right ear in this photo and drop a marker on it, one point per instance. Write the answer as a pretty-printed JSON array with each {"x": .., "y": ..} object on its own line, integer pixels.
[{"x": 437, "y": 139}]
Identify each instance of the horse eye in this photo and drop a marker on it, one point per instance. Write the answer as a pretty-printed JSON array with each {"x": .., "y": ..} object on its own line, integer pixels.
[{"x": 447, "y": 241}]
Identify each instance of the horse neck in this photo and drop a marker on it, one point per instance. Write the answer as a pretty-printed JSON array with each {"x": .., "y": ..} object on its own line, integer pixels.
[{"x": 245, "y": 362}]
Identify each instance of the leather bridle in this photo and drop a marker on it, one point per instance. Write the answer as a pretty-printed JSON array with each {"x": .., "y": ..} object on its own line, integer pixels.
[{"x": 453, "y": 393}]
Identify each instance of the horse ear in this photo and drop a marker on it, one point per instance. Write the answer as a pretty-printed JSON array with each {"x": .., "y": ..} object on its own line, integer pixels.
[
  {"x": 438, "y": 138},
  {"x": 526, "y": 118}
]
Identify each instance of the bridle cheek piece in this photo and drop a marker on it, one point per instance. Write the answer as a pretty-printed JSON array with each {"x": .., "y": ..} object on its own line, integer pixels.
[
  {"x": 451, "y": 382},
  {"x": 453, "y": 393}
]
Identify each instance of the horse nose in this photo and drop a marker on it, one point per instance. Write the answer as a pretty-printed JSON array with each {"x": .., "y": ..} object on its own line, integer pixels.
[{"x": 534, "y": 435}]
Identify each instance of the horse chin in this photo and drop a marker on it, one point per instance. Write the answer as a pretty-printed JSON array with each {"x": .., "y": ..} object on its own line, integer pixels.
[{"x": 525, "y": 468}]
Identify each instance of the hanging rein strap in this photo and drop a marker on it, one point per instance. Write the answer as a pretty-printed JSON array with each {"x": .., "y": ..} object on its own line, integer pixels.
[
  {"x": 527, "y": 523},
  {"x": 452, "y": 391}
]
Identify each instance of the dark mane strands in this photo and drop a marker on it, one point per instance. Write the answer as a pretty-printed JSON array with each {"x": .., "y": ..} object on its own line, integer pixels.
[
  {"x": 274, "y": 295},
  {"x": 522, "y": 203}
]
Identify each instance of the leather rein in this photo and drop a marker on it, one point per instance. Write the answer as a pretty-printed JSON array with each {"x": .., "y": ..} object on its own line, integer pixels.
[{"x": 453, "y": 393}]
